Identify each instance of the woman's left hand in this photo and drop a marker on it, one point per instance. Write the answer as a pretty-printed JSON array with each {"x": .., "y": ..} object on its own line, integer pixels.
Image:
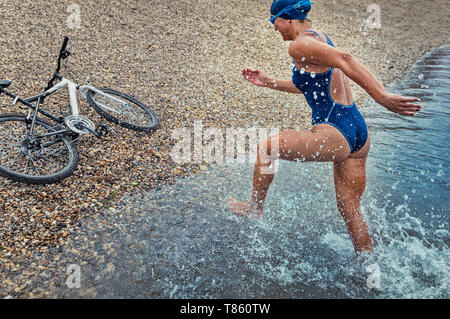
[{"x": 400, "y": 104}]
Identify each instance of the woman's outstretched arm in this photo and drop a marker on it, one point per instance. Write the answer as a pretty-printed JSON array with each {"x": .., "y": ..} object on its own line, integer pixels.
[
  {"x": 317, "y": 52},
  {"x": 260, "y": 79},
  {"x": 393, "y": 102}
]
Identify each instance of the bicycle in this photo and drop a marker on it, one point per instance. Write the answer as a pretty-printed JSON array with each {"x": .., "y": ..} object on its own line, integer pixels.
[{"x": 35, "y": 151}]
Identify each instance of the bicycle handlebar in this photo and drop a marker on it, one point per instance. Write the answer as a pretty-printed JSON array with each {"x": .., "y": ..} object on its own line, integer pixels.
[
  {"x": 63, "y": 54},
  {"x": 63, "y": 48}
]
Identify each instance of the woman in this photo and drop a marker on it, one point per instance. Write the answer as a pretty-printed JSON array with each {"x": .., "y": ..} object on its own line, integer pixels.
[{"x": 339, "y": 132}]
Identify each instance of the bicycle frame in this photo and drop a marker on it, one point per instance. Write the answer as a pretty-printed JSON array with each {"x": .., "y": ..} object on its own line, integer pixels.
[
  {"x": 72, "y": 88},
  {"x": 74, "y": 110}
]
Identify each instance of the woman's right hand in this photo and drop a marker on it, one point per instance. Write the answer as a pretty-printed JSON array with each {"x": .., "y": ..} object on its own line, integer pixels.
[
  {"x": 255, "y": 76},
  {"x": 400, "y": 104}
]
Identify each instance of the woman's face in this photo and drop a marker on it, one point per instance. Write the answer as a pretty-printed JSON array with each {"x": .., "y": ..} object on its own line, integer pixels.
[{"x": 283, "y": 26}]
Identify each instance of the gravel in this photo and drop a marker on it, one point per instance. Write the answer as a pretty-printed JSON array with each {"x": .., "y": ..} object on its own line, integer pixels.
[{"x": 183, "y": 59}]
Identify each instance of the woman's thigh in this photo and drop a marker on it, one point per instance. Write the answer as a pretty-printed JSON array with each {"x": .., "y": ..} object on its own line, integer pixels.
[
  {"x": 321, "y": 144},
  {"x": 350, "y": 178}
]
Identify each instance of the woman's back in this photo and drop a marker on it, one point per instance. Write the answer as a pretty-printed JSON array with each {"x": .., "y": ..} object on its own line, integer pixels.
[{"x": 340, "y": 90}]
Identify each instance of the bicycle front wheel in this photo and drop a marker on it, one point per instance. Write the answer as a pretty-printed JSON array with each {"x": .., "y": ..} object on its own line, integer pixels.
[
  {"x": 34, "y": 159},
  {"x": 123, "y": 110}
]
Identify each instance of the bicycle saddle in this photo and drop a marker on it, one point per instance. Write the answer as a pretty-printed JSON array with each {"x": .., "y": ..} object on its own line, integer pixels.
[{"x": 4, "y": 84}]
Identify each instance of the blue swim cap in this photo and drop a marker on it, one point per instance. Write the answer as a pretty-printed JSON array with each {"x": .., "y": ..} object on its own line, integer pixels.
[{"x": 290, "y": 9}]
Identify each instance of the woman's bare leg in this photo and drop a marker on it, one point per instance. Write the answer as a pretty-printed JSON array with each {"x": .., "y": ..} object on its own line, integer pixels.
[
  {"x": 323, "y": 143},
  {"x": 350, "y": 183}
]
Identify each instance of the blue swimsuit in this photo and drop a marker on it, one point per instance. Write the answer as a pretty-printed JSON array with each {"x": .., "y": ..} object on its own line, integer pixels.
[{"x": 346, "y": 118}]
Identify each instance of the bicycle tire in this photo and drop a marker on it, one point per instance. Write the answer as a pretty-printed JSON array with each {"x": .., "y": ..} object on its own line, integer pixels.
[
  {"x": 154, "y": 122},
  {"x": 45, "y": 179}
]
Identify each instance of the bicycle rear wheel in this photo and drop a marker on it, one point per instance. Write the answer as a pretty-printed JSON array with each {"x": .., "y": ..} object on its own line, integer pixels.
[
  {"x": 33, "y": 160},
  {"x": 123, "y": 110}
]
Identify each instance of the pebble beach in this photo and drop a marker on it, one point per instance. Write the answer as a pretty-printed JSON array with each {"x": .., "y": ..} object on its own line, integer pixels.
[{"x": 183, "y": 60}]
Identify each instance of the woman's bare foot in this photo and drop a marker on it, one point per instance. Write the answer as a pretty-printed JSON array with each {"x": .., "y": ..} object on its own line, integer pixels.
[{"x": 245, "y": 208}]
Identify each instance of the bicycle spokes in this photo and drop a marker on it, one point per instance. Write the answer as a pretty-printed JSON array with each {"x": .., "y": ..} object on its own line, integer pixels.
[
  {"x": 124, "y": 110},
  {"x": 28, "y": 154}
]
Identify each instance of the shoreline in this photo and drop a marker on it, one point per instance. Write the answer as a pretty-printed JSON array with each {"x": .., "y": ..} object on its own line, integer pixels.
[{"x": 190, "y": 73}]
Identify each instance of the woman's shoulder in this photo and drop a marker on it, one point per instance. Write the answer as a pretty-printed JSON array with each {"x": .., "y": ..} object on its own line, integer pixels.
[
  {"x": 316, "y": 34},
  {"x": 301, "y": 42},
  {"x": 302, "y": 46}
]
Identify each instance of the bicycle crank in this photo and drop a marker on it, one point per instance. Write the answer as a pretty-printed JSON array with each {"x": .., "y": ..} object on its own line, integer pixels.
[{"x": 79, "y": 124}]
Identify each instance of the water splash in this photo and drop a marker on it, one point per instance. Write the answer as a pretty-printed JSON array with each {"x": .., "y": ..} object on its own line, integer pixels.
[{"x": 183, "y": 241}]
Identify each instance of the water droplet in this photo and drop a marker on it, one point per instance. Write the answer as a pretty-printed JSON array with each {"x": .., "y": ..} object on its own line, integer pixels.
[
  {"x": 420, "y": 76},
  {"x": 315, "y": 95},
  {"x": 313, "y": 74},
  {"x": 440, "y": 173},
  {"x": 302, "y": 70},
  {"x": 303, "y": 58}
]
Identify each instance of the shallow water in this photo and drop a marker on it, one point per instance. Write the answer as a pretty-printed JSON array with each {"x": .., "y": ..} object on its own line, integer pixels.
[{"x": 183, "y": 241}]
